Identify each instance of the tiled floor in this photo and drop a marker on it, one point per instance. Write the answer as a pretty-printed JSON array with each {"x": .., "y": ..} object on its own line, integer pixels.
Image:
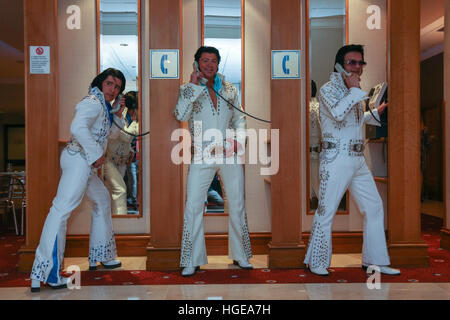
[{"x": 331, "y": 291}]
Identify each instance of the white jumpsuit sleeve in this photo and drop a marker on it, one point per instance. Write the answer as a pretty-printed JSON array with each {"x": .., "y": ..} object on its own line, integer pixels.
[
  {"x": 86, "y": 113},
  {"x": 189, "y": 93},
  {"x": 368, "y": 118},
  {"x": 339, "y": 107}
]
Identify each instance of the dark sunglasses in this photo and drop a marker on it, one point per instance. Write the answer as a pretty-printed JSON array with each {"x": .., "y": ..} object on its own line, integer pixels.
[{"x": 353, "y": 63}]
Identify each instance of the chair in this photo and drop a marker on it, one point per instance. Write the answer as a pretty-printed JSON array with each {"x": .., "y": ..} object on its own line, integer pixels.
[
  {"x": 12, "y": 193},
  {"x": 18, "y": 196}
]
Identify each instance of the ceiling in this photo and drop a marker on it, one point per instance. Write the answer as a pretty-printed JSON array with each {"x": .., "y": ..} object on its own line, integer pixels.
[{"x": 12, "y": 42}]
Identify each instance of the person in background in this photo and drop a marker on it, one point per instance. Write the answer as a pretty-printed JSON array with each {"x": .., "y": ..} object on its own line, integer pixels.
[{"x": 118, "y": 154}]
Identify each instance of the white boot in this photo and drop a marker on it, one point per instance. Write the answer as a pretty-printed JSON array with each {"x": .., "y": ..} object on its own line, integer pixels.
[
  {"x": 188, "y": 271},
  {"x": 319, "y": 271},
  {"x": 111, "y": 264},
  {"x": 36, "y": 284},
  {"x": 385, "y": 270},
  {"x": 243, "y": 264}
]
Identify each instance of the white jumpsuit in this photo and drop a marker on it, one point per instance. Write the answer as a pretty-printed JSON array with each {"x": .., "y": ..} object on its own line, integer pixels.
[
  {"x": 342, "y": 167},
  {"x": 195, "y": 105},
  {"x": 89, "y": 135},
  {"x": 117, "y": 155},
  {"x": 314, "y": 147}
]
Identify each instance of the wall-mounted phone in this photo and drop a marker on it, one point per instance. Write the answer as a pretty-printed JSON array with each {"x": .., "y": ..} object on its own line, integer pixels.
[
  {"x": 341, "y": 69},
  {"x": 116, "y": 105},
  {"x": 197, "y": 70}
]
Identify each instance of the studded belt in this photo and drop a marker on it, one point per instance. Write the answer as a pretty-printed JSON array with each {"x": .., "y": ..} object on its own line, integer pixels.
[
  {"x": 328, "y": 145},
  {"x": 315, "y": 149},
  {"x": 357, "y": 147}
]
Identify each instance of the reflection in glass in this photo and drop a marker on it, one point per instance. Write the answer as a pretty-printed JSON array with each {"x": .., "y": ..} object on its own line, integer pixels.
[
  {"x": 222, "y": 23},
  {"x": 326, "y": 36},
  {"x": 119, "y": 48}
]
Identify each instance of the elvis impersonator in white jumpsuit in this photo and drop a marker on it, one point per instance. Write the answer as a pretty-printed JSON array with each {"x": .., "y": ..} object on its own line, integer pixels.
[
  {"x": 196, "y": 105},
  {"x": 84, "y": 152},
  {"x": 117, "y": 156},
  {"x": 343, "y": 166}
]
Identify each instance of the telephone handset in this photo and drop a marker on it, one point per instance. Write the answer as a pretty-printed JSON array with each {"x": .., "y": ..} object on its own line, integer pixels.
[
  {"x": 341, "y": 69},
  {"x": 197, "y": 70},
  {"x": 116, "y": 105}
]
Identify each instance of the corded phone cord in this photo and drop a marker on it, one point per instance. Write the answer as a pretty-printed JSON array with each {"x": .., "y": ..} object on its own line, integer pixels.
[
  {"x": 266, "y": 121},
  {"x": 383, "y": 124},
  {"x": 134, "y": 135}
]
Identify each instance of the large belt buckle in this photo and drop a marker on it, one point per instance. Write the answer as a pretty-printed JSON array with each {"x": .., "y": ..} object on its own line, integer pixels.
[
  {"x": 328, "y": 145},
  {"x": 358, "y": 147}
]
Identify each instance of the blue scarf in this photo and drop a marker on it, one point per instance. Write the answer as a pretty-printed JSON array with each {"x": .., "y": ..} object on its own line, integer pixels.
[
  {"x": 110, "y": 115},
  {"x": 217, "y": 83}
]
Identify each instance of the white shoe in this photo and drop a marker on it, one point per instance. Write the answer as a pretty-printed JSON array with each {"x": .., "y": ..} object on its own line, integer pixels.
[
  {"x": 111, "y": 264},
  {"x": 188, "y": 271},
  {"x": 243, "y": 264},
  {"x": 62, "y": 283},
  {"x": 389, "y": 270},
  {"x": 386, "y": 270},
  {"x": 35, "y": 286},
  {"x": 319, "y": 271}
]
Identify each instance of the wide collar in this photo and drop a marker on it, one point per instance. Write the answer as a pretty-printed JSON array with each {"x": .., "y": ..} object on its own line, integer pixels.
[
  {"x": 96, "y": 92},
  {"x": 337, "y": 80},
  {"x": 219, "y": 79}
]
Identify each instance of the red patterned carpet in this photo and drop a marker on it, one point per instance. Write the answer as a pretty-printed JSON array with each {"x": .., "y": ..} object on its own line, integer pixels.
[{"x": 438, "y": 271}]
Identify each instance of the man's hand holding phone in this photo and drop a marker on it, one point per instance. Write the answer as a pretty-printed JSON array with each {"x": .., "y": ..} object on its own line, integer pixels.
[
  {"x": 197, "y": 76},
  {"x": 122, "y": 106},
  {"x": 352, "y": 81}
]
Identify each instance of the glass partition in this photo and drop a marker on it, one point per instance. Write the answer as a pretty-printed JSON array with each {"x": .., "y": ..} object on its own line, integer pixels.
[
  {"x": 119, "y": 47},
  {"x": 222, "y": 28},
  {"x": 327, "y": 25}
]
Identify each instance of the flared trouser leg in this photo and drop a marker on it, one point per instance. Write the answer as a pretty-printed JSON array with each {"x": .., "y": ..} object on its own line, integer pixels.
[
  {"x": 365, "y": 193},
  {"x": 193, "y": 248},
  {"x": 334, "y": 180},
  {"x": 102, "y": 245},
  {"x": 239, "y": 247},
  {"x": 71, "y": 188}
]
